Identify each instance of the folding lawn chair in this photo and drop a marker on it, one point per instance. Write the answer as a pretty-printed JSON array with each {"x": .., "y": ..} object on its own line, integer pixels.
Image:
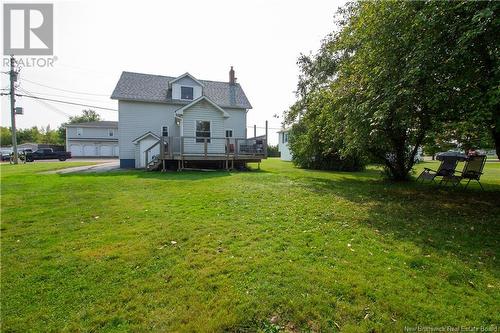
[
  {"x": 446, "y": 168},
  {"x": 473, "y": 169}
]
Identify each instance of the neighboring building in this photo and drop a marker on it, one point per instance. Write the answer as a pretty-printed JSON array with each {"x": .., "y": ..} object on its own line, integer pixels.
[
  {"x": 199, "y": 120},
  {"x": 283, "y": 147},
  {"x": 93, "y": 139}
]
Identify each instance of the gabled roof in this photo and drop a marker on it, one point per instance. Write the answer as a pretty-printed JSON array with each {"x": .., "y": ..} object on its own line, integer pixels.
[
  {"x": 145, "y": 135},
  {"x": 100, "y": 124},
  {"x": 155, "y": 88},
  {"x": 196, "y": 101},
  {"x": 188, "y": 75}
]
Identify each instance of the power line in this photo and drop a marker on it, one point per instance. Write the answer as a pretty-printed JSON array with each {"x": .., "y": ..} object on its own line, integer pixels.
[
  {"x": 52, "y": 95},
  {"x": 66, "y": 102},
  {"x": 52, "y": 107},
  {"x": 65, "y": 90}
]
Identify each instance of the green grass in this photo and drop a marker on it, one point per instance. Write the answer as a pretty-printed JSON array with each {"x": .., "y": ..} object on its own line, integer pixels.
[{"x": 280, "y": 248}]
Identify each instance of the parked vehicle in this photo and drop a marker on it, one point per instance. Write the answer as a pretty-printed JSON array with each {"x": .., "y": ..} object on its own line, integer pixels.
[
  {"x": 6, "y": 154},
  {"x": 47, "y": 154}
]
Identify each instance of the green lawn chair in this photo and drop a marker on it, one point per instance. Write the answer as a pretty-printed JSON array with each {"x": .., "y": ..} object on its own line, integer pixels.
[
  {"x": 446, "y": 168},
  {"x": 473, "y": 169}
]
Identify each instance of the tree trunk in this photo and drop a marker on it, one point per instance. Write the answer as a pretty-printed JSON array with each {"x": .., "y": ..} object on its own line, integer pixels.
[{"x": 496, "y": 139}]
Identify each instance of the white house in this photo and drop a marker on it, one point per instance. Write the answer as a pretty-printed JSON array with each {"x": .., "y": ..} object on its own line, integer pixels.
[
  {"x": 93, "y": 139},
  {"x": 283, "y": 147},
  {"x": 177, "y": 119}
]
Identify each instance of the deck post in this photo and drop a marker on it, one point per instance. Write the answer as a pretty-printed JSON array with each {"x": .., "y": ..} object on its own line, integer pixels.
[
  {"x": 182, "y": 152},
  {"x": 228, "y": 143},
  {"x": 236, "y": 148},
  {"x": 265, "y": 143},
  {"x": 205, "y": 146}
]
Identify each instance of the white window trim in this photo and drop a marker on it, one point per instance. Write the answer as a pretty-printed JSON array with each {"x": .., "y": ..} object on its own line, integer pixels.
[
  {"x": 161, "y": 130},
  {"x": 232, "y": 133},
  {"x": 111, "y": 130},
  {"x": 195, "y": 137},
  {"x": 180, "y": 92}
]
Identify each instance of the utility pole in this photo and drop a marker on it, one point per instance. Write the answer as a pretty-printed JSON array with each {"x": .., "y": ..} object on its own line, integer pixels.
[{"x": 13, "y": 79}]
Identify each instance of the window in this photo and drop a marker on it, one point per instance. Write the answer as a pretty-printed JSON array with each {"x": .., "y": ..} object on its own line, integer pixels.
[
  {"x": 111, "y": 132},
  {"x": 202, "y": 130},
  {"x": 79, "y": 131},
  {"x": 186, "y": 92},
  {"x": 164, "y": 131},
  {"x": 229, "y": 133},
  {"x": 285, "y": 137}
]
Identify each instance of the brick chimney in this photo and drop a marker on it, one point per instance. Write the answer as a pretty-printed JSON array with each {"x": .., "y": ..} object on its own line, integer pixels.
[{"x": 232, "y": 79}]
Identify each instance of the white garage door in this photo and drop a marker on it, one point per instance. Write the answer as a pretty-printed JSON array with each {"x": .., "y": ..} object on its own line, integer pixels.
[
  {"x": 106, "y": 151},
  {"x": 89, "y": 150},
  {"x": 116, "y": 151},
  {"x": 76, "y": 150}
]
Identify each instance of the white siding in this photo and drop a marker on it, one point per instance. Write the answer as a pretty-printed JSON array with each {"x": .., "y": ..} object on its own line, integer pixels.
[
  {"x": 136, "y": 118},
  {"x": 237, "y": 122},
  {"x": 204, "y": 111},
  {"x": 283, "y": 148},
  {"x": 187, "y": 82},
  {"x": 91, "y": 133}
]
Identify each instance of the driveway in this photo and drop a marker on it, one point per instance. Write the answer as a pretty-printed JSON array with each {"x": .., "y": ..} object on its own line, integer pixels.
[{"x": 106, "y": 166}]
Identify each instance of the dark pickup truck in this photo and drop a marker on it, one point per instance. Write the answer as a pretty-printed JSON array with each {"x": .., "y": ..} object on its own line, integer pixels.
[{"x": 47, "y": 154}]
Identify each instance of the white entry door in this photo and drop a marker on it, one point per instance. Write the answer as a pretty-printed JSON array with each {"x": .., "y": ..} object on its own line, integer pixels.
[
  {"x": 116, "y": 151},
  {"x": 143, "y": 146}
]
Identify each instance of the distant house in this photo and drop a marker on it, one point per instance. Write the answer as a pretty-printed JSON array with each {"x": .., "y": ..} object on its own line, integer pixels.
[
  {"x": 183, "y": 121},
  {"x": 93, "y": 139},
  {"x": 283, "y": 147}
]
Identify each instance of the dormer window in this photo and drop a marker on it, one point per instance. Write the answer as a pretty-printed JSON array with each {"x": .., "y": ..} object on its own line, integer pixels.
[{"x": 187, "y": 93}]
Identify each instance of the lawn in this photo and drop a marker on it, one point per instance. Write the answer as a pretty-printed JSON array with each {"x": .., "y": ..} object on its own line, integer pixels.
[{"x": 275, "y": 249}]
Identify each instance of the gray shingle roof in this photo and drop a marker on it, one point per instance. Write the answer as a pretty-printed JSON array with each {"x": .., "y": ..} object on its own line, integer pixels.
[
  {"x": 154, "y": 88},
  {"x": 103, "y": 123}
]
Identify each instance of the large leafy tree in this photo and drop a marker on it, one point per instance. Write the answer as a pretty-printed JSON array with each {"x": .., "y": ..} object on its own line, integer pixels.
[{"x": 398, "y": 71}]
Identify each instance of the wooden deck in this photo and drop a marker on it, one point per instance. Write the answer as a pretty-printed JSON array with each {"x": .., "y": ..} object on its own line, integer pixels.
[{"x": 230, "y": 152}]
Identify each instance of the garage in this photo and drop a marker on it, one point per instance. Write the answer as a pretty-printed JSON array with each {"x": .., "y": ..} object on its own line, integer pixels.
[
  {"x": 76, "y": 150},
  {"x": 106, "y": 150},
  {"x": 90, "y": 150}
]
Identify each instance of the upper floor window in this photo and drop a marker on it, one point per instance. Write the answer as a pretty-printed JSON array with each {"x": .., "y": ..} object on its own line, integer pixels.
[
  {"x": 111, "y": 132},
  {"x": 202, "y": 131},
  {"x": 79, "y": 131},
  {"x": 164, "y": 131},
  {"x": 186, "y": 92},
  {"x": 229, "y": 133}
]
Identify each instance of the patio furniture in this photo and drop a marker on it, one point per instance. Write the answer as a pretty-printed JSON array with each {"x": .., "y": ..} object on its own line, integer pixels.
[
  {"x": 473, "y": 169},
  {"x": 446, "y": 168}
]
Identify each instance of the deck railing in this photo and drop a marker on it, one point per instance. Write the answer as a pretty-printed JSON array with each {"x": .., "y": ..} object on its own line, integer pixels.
[{"x": 206, "y": 147}]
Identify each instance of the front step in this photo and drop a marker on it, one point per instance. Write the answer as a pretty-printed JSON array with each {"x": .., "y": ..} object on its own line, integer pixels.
[{"x": 154, "y": 165}]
